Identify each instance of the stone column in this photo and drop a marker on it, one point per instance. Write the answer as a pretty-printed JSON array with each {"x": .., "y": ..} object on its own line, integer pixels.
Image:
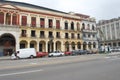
[
  {"x": 46, "y": 22},
  {"x": 4, "y": 18},
  {"x": 46, "y": 46},
  {"x": 11, "y": 19},
  {"x": 38, "y": 46}
]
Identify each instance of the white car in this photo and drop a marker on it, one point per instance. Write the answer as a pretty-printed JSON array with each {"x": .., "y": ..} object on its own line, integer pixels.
[
  {"x": 24, "y": 53},
  {"x": 56, "y": 54}
]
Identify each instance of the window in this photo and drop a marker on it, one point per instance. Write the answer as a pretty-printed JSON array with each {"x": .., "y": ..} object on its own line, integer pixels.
[
  {"x": 88, "y": 26},
  {"x": 32, "y": 33},
  {"x": 78, "y": 36},
  {"x": 50, "y": 34},
  {"x": 84, "y": 35},
  {"x": 22, "y": 45},
  {"x": 72, "y": 35},
  {"x": 93, "y": 28},
  {"x": 24, "y": 20},
  {"x": 83, "y": 26},
  {"x": 72, "y": 26},
  {"x": 14, "y": 21},
  {"x": 88, "y": 35},
  {"x": 50, "y": 23},
  {"x": 31, "y": 45},
  {"x": 66, "y": 35},
  {"x": 93, "y": 36},
  {"x": 42, "y": 22},
  {"x": 33, "y": 21},
  {"x": 1, "y": 18},
  {"x": 57, "y": 34},
  {"x": 57, "y": 24},
  {"x": 42, "y": 35},
  {"x": 8, "y": 18},
  {"x": 66, "y": 25},
  {"x": 23, "y": 33}
]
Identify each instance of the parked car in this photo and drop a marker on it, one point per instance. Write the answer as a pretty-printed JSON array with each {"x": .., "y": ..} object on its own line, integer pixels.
[
  {"x": 75, "y": 52},
  {"x": 24, "y": 53},
  {"x": 67, "y": 53},
  {"x": 55, "y": 54},
  {"x": 41, "y": 54}
]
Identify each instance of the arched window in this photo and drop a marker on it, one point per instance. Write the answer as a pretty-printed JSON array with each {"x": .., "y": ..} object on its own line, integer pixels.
[
  {"x": 88, "y": 26},
  {"x": 1, "y": 18},
  {"x": 66, "y": 25},
  {"x": 72, "y": 26},
  {"x": 94, "y": 45},
  {"x": 93, "y": 28},
  {"x": 83, "y": 26}
]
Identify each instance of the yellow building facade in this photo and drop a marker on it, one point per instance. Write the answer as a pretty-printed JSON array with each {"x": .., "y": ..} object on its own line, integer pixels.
[{"x": 25, "y": 25}]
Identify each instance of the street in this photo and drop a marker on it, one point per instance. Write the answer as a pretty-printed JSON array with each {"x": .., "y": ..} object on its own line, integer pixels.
[{"x": 86, "y": 67}]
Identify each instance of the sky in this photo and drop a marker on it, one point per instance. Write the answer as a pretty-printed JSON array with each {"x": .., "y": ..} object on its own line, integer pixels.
[{"x": 100, "y": 9}]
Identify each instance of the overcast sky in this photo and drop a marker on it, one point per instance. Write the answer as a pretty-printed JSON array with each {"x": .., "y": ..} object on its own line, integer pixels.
[{"x": 100, "y": 9}]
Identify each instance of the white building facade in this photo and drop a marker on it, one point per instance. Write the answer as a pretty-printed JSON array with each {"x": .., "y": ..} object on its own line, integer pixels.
[{"x": 110, "y": 32}]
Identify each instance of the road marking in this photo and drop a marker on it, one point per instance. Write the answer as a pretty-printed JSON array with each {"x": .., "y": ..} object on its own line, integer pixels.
[{"x": 17, "y": 73}]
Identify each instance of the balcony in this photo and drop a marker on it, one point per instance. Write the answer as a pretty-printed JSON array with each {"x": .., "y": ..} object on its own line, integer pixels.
[
  {"x": 23, "y": 35},
  {"x": 89, "y": 31},
  {"x": 42, "y": 36}
]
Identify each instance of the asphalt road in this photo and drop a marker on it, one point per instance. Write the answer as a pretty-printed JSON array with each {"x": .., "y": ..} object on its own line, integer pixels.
[{"x": 62, "y": 68}]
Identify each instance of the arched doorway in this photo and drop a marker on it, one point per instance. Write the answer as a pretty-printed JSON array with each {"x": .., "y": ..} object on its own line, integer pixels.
[
  {"x": 89, "y": 45},
  {"x": 7, "y": 44},
  {"x": 58, "y": 45},
  {"x": 79, "y": 45},
  {"x": 67, "y": 48},
  {"x": 42, "y": 46},
  {"x": 73, "y": 45},
  {"x": 84, "y": 45},
  {"x": 23, "y": 44}
]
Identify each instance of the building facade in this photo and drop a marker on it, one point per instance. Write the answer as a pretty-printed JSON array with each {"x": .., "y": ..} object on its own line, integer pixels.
[
  {"x": 110, "y": 32},
  {"x": 25, "y": 25}
]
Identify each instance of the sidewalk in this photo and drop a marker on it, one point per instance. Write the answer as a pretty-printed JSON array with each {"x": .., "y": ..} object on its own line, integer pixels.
[
  {"x": 4, "y": 58},
  {"x": 114, "y": 53}
]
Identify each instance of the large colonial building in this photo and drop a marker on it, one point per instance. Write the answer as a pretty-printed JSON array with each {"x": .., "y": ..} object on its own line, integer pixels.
[
  {"x": 110, "y": 32},
  {"x": 25, "y": 25}
]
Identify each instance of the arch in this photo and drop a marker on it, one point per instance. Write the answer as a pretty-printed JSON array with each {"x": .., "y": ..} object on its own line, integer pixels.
[
  {"x": 88, "y": 26},
  {"x": 42, "y": 46},
  {"x": 58, "y": 45},
  {"x": 89, "y": 45},
  {"x": 33, "y": 44},
  {"x": 94, "y": 44},
  {"x": 78, "y": 45},
  {"x": 66, "y": 25},
  {"x": 23, "y": 44},
  {"x": 7, "y": 44},
  {"x": 73, "y": 45},
  {"x": 8, "y": 19},
  {"x": 1, "y": 18},
  {"x": 93, "y": 27},
  {"x": 67, "y": 48},
  {"x": 83, "y": 26},
  {"x": 72, "y": 25},
  {"x": 84, "y": 45}
]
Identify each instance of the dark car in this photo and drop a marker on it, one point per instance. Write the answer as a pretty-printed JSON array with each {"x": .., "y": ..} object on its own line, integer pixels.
[{"x": 74, "y": 52}]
